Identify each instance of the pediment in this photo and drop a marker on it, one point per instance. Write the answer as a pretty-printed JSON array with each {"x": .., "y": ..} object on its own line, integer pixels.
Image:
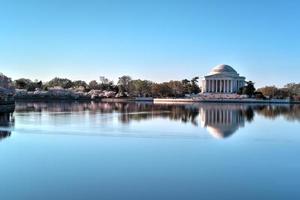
[{"x": 221, "y": 76}]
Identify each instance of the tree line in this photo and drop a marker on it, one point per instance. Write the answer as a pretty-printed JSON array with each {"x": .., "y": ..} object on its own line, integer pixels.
[
  {"x": 290, "y": 90},
  {"x": 126, "y": 86}
]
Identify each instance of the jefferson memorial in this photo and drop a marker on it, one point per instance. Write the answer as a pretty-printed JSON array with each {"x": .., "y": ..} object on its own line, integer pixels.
[{"x": 222, "y": 79}]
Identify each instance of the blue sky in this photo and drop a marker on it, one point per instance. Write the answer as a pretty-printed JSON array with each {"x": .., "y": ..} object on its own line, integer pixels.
[{"x": 150, "y": 39}]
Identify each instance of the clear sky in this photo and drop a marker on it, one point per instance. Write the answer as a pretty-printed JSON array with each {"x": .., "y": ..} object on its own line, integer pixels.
[{"x": 150, "y": 39}]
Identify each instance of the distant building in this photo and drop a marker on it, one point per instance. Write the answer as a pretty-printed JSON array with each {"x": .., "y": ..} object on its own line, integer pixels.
[{"x": 222, "y": 79}]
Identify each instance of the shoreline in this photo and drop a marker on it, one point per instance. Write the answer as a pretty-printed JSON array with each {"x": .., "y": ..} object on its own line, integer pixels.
[
  {"x": 159, "y": 100},
  {"x": 182, "y": 100}
]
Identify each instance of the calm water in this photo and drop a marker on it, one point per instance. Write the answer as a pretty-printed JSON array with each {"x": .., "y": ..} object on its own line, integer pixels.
[{"x": 143, "y": 151}]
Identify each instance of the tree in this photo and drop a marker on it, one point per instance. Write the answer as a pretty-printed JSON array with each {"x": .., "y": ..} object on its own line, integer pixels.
[
  {"x": 103, "y": 80},
  {"x": 168, "y": 89},
  {"x": 93, "y": 85},
  {"x": 106, "y": 84},
  {"x": 22, "y": 83},
  {"x": 249, "y": 89},
  {"x": 28, "y": 84},
  {"x": 60, "y": 82},
  {"x": 259, "y": 95},
  {"x": 269, "y": 91},
  {"x": 124, "y": 85},
  {"x": 140, "y": 88},
  {"x": 176, "y": 88},
  {"x": 80, "y": 83},
  {"x": 187, "y": 86},
  {"x": 161, "y": 90},
  {"x": 38, "y": 84},
  {"x": 293, "y": 88},
  {"x": 276, "y": 93},
  {"x": 5, "y": 82},
  {"x": 195, "y": 87}
]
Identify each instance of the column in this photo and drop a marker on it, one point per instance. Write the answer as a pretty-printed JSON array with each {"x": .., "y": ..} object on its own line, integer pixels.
[
  {"x": 231, "y": 86},
  {"x": 228, "y": 86},
  {"x": 208, "y": 89},
  {"x": 222, "y": 116},
  {"x": 207, "y": 86},
  {"x": 223, "y": 86},
  {"x": 236, "y": 85},
  {"x": 226, "y": 117},
  {"x": 215, "y": 85}
]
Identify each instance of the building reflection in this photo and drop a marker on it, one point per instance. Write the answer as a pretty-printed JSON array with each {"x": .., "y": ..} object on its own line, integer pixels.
[
  {"x": 221, "y": 120},
  {"x": 6, "y": 121}
]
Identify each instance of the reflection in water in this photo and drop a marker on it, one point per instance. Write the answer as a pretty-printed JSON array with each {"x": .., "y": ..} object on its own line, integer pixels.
[
  {"x": 289, "y": 112},
  {"x": 6, "y": 121},
  {"x": 127, "y": 111},
  {"x": 220, "y": 120}
]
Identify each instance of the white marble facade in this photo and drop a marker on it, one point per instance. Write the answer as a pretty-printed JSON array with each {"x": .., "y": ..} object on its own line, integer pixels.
[{"x": 222, "y": 79}]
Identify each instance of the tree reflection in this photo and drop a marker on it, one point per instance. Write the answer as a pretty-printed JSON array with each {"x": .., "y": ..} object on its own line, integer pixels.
[
  {"x": 127, "y": 111},
  {"x": 6, "y": 121},
  {"x": 221, "y": 120},
  {"x": 289, "y": 112},
  {"x": 249, "y": 114}
]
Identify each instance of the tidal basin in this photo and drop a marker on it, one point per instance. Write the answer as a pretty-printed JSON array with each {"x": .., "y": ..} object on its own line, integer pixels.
[{"x": 72, "y": 150}]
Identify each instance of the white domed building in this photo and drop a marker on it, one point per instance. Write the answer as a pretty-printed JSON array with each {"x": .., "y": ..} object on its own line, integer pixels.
[{"x": 222, "y": 79}]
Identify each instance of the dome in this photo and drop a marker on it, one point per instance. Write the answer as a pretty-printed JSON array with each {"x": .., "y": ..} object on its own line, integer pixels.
[
  {"x": 220, "y": 133},
  {"x": 221, "y": 69}
]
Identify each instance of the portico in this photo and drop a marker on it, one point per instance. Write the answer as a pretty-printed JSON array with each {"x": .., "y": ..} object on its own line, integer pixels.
[{"x": 222, "y": 79}]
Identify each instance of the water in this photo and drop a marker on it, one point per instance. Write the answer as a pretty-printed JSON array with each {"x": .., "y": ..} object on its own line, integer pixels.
[{"x": 145, "y": 151}]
